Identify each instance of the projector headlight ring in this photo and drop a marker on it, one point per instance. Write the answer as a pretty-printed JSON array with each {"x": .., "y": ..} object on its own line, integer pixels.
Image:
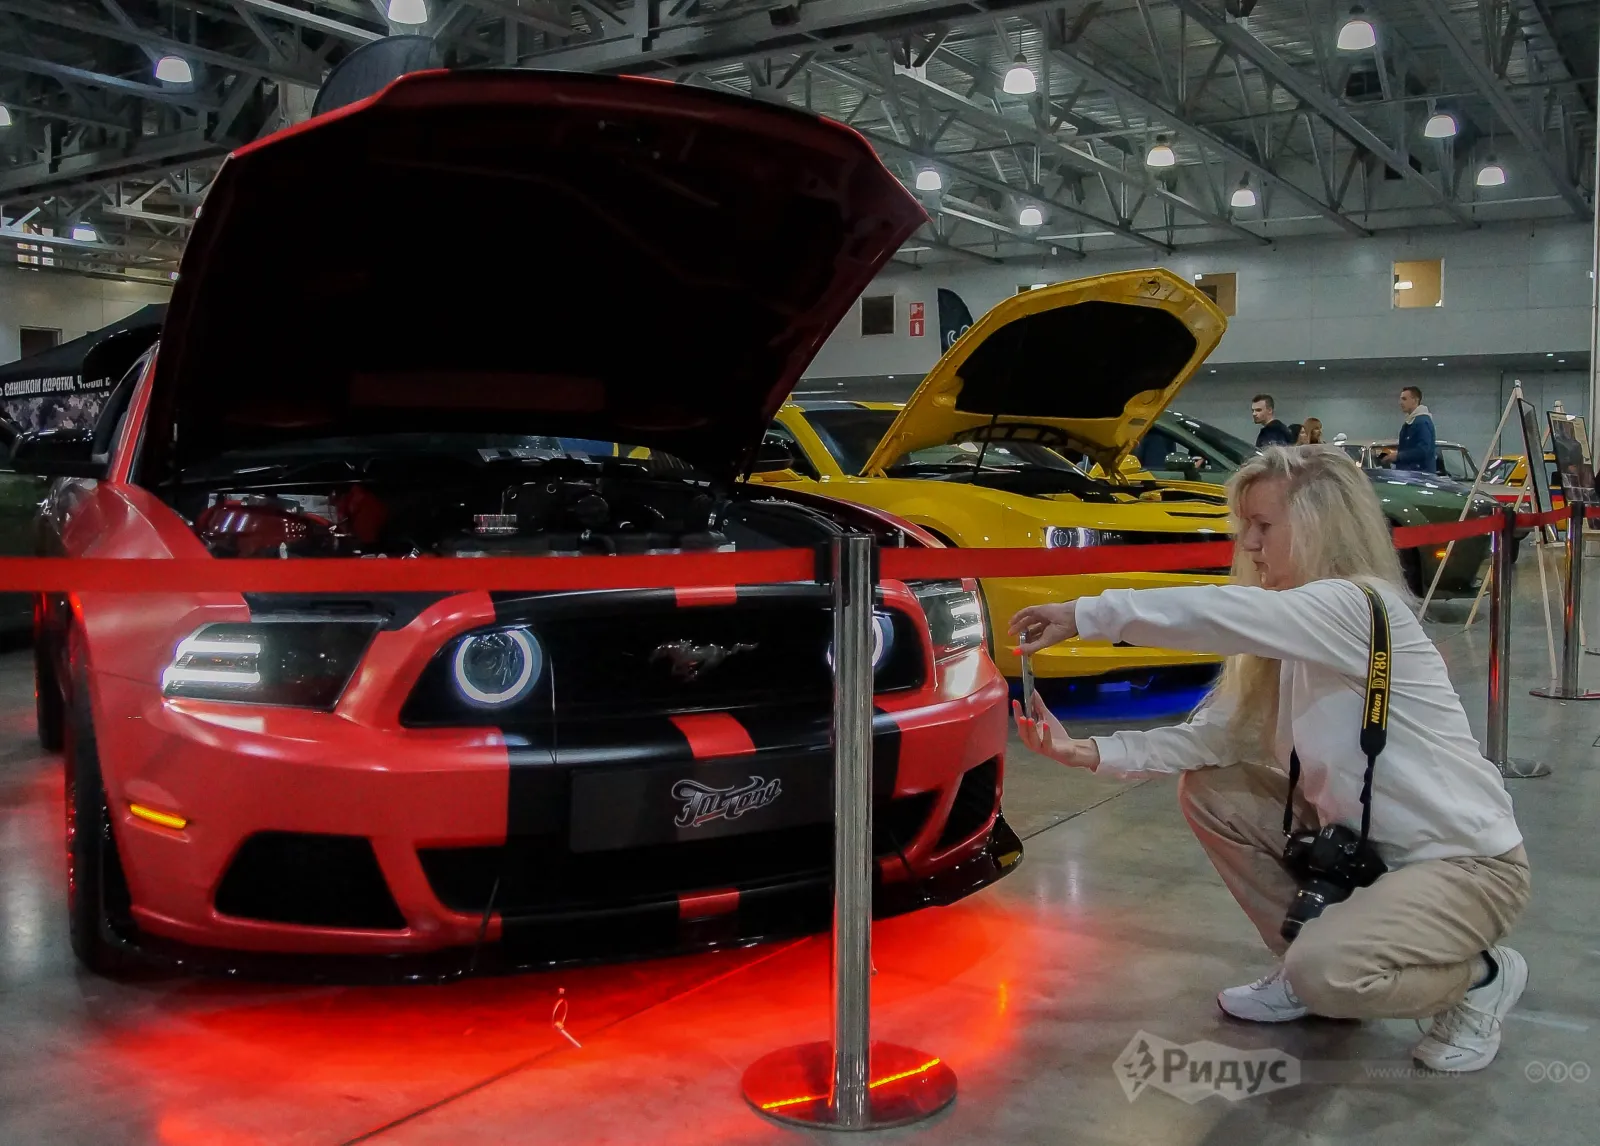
[
  {"x": 497, "y": 668},
  {"x": 882, "y": 640}
]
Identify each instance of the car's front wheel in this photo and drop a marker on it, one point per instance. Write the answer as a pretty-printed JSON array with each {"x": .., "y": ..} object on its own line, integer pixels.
[{"x": 96, "y": 889}]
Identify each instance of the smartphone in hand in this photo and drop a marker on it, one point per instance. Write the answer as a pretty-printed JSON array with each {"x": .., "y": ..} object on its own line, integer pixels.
[{"x": 1027, "y": 683}]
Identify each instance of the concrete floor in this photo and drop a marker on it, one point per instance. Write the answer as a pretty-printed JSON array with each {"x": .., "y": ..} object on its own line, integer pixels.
[{"x": 1114, "y": 927}]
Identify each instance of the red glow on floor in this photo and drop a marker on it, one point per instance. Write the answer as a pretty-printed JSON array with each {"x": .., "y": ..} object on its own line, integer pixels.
[
  {"x": 220, "y": 1061},
  {"x": 873, "y": 1084}
]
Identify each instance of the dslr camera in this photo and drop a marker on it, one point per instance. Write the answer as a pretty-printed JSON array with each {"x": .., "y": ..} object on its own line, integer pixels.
[{"x": 1329, "y": 864}]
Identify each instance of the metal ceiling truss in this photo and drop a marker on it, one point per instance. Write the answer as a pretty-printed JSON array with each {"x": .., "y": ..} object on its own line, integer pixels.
[{"x": 1328, "y": 142}]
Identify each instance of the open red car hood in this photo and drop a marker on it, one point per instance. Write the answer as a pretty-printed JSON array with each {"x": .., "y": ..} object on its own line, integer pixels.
[{"x": 520, "y": 253}]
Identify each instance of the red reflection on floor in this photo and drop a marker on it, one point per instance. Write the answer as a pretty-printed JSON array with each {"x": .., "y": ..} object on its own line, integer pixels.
[{"x": 240, "y": 1063}]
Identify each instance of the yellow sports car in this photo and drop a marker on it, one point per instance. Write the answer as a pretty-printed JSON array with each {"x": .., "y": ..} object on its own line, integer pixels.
[{"x": 1005, "y": 442}]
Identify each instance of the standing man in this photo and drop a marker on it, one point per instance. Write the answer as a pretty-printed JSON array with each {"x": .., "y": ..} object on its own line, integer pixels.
[
  {"x": 1416, "y": 449},
  {"x": 1273, "y": 432}
]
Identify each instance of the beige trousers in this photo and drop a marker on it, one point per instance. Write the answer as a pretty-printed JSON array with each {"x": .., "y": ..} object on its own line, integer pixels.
[{"x": 1403, "y": 948}]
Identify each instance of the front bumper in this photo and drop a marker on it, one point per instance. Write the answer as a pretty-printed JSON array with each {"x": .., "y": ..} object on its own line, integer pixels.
[{"x": 397, "y": 829}]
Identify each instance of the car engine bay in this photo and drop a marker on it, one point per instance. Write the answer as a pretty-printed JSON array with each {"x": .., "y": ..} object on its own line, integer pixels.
[{"x": 530, "y": 503}]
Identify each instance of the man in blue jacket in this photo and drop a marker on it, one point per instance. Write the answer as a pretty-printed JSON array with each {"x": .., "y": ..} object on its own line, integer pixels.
[{"x": 1416, "y": 449}]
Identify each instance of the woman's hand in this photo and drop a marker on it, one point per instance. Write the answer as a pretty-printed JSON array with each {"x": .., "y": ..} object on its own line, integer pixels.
[
  {"x": 1044, "y": 734},
  {"x": 1041, "y": 626}
]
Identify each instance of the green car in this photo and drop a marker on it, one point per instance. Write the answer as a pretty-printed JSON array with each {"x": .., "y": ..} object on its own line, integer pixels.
[{"x": 1180, "y": 448}]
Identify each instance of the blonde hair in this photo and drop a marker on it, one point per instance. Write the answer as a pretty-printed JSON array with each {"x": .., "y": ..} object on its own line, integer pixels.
[{"x": 1336, "y": 530}]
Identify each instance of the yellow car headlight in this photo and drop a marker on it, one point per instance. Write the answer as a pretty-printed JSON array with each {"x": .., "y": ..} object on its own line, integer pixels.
[{"x": 1071, "y": 537}]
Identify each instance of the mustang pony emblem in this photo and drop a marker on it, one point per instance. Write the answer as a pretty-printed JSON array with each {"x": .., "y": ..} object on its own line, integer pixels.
[
  {"x": 689, "y": 660},
  {"x": 702, "y": 804}
]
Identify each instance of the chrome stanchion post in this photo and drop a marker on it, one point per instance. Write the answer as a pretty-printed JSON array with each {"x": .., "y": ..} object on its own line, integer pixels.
[
  {"x": 851, "y": 1082},
  {"x": 852, "y": 834},
  {"x": 1571, "y": 646},
  {"x": 1502, "y": 546}
]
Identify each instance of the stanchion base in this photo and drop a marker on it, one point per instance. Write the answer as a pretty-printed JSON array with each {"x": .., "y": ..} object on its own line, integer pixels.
[
  {"x": 1523, "y": 769},
  {"x": 795, "y": 1085},
  {"x": 1555, "y": 692}
]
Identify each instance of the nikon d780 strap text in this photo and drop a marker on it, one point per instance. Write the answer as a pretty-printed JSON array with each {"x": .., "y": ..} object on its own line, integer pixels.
[{"x": 1374, "y": 715}]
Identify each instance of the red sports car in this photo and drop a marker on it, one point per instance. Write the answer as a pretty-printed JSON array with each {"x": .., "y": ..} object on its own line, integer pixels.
[{"x": 500, "y": 313}]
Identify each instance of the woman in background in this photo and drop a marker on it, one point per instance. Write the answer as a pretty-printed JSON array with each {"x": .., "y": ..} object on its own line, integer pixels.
[{"x": 1310, "y": 433}]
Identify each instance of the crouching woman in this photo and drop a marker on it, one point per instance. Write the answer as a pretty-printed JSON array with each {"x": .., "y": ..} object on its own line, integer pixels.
[{"x": 1423, "y": 940}]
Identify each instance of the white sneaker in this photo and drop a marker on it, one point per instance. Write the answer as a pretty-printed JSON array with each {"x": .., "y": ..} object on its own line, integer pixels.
[
  {"x": 1269, "y": 999},
  {"x": 1467, "y": 1036}
]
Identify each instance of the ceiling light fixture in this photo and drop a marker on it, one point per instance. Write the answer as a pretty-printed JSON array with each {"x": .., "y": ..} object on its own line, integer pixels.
[
  {"x": 1161, "y": 155},
  {"x": 84, "y": 233},
  {"x": 1440, "y": 125},
  {"x": 1491, "y": 174},
  {"x": 928, "y": 180},
  {"x": 1020, "y": 80},
  {"x": 5, "y": 116},
  {"x": 1030, "y": 217},
  {"x": 1357, "y": 33},
  {"x": 408, "y": 11},
  {"x": 1244, "y": 195},
  {"x": 172, "y": 69},
  {"x": 1404, "y": 284}
]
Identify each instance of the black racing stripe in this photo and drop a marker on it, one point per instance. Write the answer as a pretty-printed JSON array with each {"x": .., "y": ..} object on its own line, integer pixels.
[
  {"x": 542, "y": 759},
  {"x": 792, "y": 729},
  {"x": 634, "y": 742},
  {"x": 536, "y": 793},
  {"x": 518, "y": 607},
  {"x": 807, "y": 731}
]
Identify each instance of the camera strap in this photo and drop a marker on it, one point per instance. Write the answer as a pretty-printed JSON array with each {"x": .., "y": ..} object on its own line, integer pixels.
[{"x": 1374, "y": 716}]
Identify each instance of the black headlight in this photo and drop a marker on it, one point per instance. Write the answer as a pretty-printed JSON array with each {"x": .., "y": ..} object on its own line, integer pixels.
[
  {"x": 955, "y": 616},
  {"x": 304, "y": 664}
]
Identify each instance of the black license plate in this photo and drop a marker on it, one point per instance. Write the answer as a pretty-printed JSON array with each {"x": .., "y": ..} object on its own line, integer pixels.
[{"x": 636, "y": 807}]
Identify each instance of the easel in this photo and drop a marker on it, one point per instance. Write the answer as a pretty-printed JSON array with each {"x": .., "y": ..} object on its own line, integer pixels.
[{"x": 1513, "y": 402}]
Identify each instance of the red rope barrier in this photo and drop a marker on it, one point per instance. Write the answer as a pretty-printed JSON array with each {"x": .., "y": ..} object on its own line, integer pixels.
[
  {"x": 366, "y": 575},
  {"x": 1420, "y": 536},
  {"x": 1538, "y": 520},
  {"x": 545, "y": 574}
]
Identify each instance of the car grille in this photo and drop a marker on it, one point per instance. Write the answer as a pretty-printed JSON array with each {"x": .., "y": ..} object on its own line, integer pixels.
[
  {"x": 538, "y": 874},
  {"x": 1147, "y": 537},
  {"x": 611, "y": 653}
]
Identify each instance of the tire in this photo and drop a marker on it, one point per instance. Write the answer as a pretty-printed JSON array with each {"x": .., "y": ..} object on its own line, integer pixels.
[
  {"x": 96, "y": 890},
  {"x": 48, "y": 706}
]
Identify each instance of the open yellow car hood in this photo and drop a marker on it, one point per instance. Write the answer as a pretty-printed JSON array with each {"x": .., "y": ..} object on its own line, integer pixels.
[{"x": 1095, "y": 359}]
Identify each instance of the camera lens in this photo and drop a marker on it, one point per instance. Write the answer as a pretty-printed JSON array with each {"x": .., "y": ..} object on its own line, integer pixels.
[{"x": 1309, "y": 903}]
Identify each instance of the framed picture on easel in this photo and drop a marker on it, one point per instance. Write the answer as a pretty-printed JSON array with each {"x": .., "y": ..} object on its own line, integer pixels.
[
  {"x": 1566, "y": 442},
  {"x": 1533, "y": 450}
]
